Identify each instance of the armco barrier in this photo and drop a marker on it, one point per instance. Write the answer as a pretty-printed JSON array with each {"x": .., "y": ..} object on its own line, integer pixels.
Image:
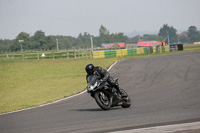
[{"x": 130, "y": 52}]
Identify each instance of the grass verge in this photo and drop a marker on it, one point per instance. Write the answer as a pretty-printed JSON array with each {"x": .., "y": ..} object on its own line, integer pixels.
[{"x": 29, "y": 83}]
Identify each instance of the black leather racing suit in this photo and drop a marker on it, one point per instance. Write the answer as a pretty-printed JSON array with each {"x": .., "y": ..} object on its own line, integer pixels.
[{"x": 105, "y": 76}]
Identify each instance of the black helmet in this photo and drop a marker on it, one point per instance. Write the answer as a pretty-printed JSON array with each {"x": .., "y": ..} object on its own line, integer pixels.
[{"x": 89, "y": 68}]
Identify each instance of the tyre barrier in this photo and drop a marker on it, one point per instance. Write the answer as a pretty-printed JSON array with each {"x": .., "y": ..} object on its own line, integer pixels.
[
  {"x": 98, "y": 54},
  {"x": 174, "y": 47},
  {"x": 180, "y": 46},
  {"x": 130, "y": 52}
]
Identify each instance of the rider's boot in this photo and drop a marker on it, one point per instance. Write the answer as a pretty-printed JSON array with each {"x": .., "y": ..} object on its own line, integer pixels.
[{"x": 121, "y": 93}]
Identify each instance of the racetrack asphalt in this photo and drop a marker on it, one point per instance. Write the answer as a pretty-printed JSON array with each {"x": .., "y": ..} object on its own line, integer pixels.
[{"x": 164, "y": 91}]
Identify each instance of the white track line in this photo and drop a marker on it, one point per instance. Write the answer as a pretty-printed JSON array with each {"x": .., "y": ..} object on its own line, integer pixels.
[
  {"x": 54, "y": 101},
  {"x": 164, "y": 129},
  {"x": 112, "y": 65}
]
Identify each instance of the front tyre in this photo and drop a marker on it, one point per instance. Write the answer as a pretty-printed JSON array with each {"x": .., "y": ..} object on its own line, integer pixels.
[{"x": 103, "y": 100}]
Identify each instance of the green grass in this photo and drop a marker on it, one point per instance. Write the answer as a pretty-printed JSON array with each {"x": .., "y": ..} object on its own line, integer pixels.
[{"x": 29, "y": 83}]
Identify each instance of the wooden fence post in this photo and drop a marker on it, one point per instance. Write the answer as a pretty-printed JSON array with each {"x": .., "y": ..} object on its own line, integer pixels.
[
  {"x": 7, "y": 56},
  {"x": 67, "y": 54},
  {"x": 53, "y": 56},
  {"x": 86, "y": 54},
  {"x": 82, "y": 54},
  {"x": 23, "y": 56},
  {"x": 74, "y": 54},
  {"x": 38, "y": 56},
  {"x": 91, "y": 54},
  {"x": 79, "y": 53}
]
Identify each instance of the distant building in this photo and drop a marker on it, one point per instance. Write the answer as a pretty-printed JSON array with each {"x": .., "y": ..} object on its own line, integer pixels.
[
  {"x": 149, "y": 43},
  {"x": 109, "y": 45},
  {"x": 130, "y": 45}
]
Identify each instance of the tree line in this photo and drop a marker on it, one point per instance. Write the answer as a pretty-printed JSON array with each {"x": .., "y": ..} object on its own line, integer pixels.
[{"x": 39, "y": 41}]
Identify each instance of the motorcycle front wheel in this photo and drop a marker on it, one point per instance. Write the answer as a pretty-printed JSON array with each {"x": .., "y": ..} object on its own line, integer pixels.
[{"x": 103, "y": 100}]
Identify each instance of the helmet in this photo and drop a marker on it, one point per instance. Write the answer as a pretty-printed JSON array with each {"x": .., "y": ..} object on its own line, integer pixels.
[{"x": 89, "y": 68}]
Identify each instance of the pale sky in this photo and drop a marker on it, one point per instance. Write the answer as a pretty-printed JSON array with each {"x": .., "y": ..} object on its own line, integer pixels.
[{"x": 71, "y": 17}]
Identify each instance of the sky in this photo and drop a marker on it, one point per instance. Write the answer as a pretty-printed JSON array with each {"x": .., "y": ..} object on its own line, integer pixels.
[{"x": 72, "y": 17}]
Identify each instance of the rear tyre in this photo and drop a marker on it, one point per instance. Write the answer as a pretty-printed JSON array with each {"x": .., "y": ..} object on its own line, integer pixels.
[
  {"x": 103, "y": 100},
  {"x": 126, "y": 100}
]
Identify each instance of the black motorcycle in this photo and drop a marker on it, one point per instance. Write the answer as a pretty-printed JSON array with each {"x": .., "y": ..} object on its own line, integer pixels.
[{"x": 105, "y": 95}]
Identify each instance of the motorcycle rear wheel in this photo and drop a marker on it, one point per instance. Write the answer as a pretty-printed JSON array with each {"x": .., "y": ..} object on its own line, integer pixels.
[{"x": 103, "y": 100}]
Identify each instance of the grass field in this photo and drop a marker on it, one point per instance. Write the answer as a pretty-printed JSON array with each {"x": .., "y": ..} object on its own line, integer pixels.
[{"x": 27, "y": 83}]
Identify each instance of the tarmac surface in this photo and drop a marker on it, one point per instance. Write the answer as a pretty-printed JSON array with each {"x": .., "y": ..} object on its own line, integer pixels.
[{"x": 164, "y": 91}]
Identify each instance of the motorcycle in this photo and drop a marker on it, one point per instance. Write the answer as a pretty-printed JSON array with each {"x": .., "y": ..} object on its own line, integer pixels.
[{"x": 105, "y": 95}]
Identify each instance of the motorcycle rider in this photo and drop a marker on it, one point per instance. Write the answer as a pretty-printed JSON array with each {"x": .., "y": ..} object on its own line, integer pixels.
[{"x": 105, "y": 76}]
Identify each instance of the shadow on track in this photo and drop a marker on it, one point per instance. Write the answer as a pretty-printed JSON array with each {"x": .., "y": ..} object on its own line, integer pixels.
[{"x": 94, "y": 109}]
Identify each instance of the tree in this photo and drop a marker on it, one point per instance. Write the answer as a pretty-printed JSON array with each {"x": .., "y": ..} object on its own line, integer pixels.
[
  {"x": 83, "y": 41},
  {"x": 39, "y": 40},
  {"x": 136, "y": 38},
  {"x": 18, "y": 46},
  {"x": 193, "y": 34},
  {"x": 103, "y": 31},
  {"x": 5, "y": 45},
  {"x": 50, "y": 43},
  {"x": 171, "y": 31},
  {"x": 183, "y": 39},
  {"x": 106, "y": 37},
  {"x": 119, "y": 37}
]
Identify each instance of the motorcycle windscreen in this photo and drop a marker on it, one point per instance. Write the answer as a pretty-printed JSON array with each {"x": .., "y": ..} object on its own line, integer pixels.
[{"x": 92, "y": 79}]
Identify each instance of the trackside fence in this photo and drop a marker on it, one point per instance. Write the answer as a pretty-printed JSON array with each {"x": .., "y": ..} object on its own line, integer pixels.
[
  {"x": 97, "y": 53},
  {"x": 71, "y": 54}
]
